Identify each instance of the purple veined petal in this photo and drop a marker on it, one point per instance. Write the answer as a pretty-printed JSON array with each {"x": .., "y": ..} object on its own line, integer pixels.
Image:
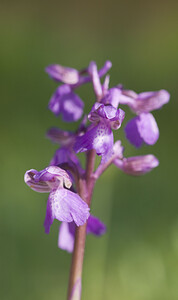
[
  {"x": 93, "y": 71},
  {"x": 48, "y": 179},
  {"x": 99, "y": 137},
  {"x": 113, "y": 115},
  {"x": 71, "y": 107},
  {"x": 41, "y": 187},
  {"x": 54, "y": 176},
  {"x": 66, "y": 236},
  {"x": 63, "y": 74},
  {"x": 43, "y": 176},
  {"x": 142, "y": 128},
  {"x": 100, "y": 111},
  {"x": 137, "y": 165},
  {"x": 65, "y": 206},
  {"x": 103, "y": 141},
  {"x": 59, "y": 136},
  {"x": 95, "y": 226},
  {"x": 60, "y": 174}
]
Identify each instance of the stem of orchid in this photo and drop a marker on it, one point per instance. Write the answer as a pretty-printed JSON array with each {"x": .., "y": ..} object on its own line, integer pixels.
[
  {"x": 103, "y": 167},
  {"x": 74, "y": 290},
  {"x": 86, "y": 186}
]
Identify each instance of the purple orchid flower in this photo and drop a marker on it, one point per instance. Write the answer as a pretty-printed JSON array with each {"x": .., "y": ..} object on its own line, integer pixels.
[
  {"x": 99, "y": 135},
  {"x": 67, "y": 103},
  {"x": 67, "y": 232},
  {"x": 64, "y": 101},
  {"x": 62, "y": 204},
  {"x": 143, "y": 128}
]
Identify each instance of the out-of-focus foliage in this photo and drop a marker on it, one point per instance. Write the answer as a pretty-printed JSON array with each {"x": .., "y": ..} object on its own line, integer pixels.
[{"x": 137, "y": 258}]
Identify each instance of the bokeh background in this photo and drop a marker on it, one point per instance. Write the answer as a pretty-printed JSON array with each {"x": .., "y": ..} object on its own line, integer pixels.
[{"x": 138, "y": 257}]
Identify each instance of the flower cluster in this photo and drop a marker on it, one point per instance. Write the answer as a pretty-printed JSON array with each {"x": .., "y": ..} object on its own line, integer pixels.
[{"x": 64, "y": 174}]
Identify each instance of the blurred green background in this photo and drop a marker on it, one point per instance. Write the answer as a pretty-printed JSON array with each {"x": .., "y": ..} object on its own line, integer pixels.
[{"x": 138, "y": 257}]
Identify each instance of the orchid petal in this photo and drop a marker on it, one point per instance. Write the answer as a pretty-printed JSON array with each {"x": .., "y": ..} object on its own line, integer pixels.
[
  {"x": 99, "y": 137},
  {"x": 142, "y": 128},
  {"x": 132, "y": 133},
  {"x": 137, "y": 165},
  {"x": 144, "y": 102},
  {"x": 66, "y": 102},
  {"x": 63, "y": 74},
  {"x": 101, "y": 112},
  {"x": 48, "y": 179},
  {"x": 65, "y": 206},
  {"x": 95, "y": 79},
  {"x": 66, "y": 236},
  {"x": 148, "y": 128},
  {"x": 72, "y": 107},
  {"x": 41, "y": 187},
  {"x": 95, "y": 226}
]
